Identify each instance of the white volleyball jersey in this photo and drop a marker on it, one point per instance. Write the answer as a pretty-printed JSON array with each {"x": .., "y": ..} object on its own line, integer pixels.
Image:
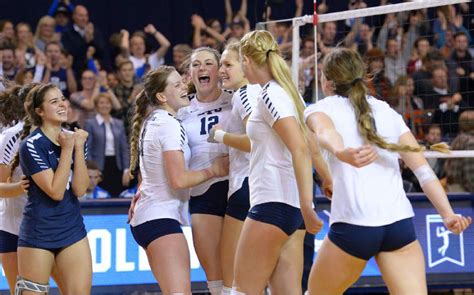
[
  {"x": 197, "y": 119},
  {"x": 11, "y": 209},
  {"x": 272, "y": 177},
  {"x": 160, "y": 132},
  {"x": 372, "y": 195},
  {"x": 243, "y": 103}
]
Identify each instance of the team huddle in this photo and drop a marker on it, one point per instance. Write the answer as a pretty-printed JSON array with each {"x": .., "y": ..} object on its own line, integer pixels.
[{"x": 236, "y": 151}]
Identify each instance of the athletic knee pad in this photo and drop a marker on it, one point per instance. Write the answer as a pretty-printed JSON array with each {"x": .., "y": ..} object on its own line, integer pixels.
[
  {"x": 23, "y": 284},
  {"x": 215, "y": 287}
]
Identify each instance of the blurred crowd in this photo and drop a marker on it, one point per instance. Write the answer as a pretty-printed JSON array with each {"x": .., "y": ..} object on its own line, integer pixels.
[{"x": 420, "y": 62}]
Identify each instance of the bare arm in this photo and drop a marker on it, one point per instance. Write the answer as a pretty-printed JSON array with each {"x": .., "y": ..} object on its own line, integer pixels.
[
  {"x": 319, "y": 164},
  {"x": 54, "y": 183},
  {"x": 7, "y": 189},
  {"x": 433, "y": 189},
  {"x": 328, "y": 137},
  {"x": 292, "y": 136},
  {"x": 179, "y": 177},
  {"x": 80, "y": 179}
]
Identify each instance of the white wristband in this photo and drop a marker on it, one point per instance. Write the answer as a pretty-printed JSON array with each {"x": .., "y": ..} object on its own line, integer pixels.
[{"x": 219, "y": 135}]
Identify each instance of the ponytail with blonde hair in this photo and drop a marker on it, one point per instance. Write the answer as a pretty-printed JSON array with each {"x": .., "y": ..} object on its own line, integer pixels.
[
  {"x": 261, "y": 47},
  {"x": 345, "y": 68},
  {"x": 155, "y": 82}
]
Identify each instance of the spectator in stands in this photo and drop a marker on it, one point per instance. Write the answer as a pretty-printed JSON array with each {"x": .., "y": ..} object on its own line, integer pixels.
[
  {"x": 108, "y": 145},
  {"x": 45, "y": 32},
  {"x": 422, "y": 77},
  {"x": 61, "y": 10},
  {"x": 123, "y": 91},
  {"x": 25, "y": 49},
  {"x": 446, "y": 49},
  {"x": 59, "y": 68},
  {"x": 409, "y": 106},
  {"x": 463, "y": 62},
  {"x": 379, "y": 86},
  {"x": 83, "y": 101},
  {"x": 460, "y": 172},
  {"x": 180, "y": 52},
  {"x": 135, "y": 50},
  {"x": 396, "y": 59},
  {"x": 94, "y": 191},
  {"x": 422, "y": 47},
  {"x": 72, "y": 121},
  {"x": 204, "y": 35},
  {"x": 360, "y": 37},
  {"x": 79, "y": 36},
  {"x": 447, "y": 18},
  {"x": 8, "y": 66},
  {"x": 112, "y": 80},
  {"x": 7, "y": 31},
  {"x": 433, "y": 136},
  {"x": 446, "y": 103},
  {"x": 327, "y": 37}
]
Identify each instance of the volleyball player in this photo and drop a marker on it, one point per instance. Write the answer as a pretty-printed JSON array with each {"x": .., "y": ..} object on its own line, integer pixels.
[
  {"x": 52, "y": 231},
  {"x": 370, "y": 213},
  {"x": 12, "y": 201},
  {"x": 160, "y": 145},
  {"x": 209, "y": 106},
  {"x": 234, "y": 136},
  {"x": 280, "y": 176}
]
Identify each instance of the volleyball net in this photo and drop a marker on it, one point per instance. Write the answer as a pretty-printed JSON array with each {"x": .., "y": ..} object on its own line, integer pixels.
[{"x": 411, "y": 52}]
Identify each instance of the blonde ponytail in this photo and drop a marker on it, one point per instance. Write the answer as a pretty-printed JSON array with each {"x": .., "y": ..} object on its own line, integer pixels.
[{"x": 261, "y": 47}]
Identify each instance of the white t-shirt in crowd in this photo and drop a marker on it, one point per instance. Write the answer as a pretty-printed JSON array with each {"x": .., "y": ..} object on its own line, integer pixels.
[
  {"x": 160, "y": 132},
  {"x": 197, "y": 119},
  {"x": 243, "y": 103},
  {"x": 372, "y": 195},
  {"x": 272, "y": 177},
  {"x": 11, "y": 209},
  {"x": 153, "y": 60}
]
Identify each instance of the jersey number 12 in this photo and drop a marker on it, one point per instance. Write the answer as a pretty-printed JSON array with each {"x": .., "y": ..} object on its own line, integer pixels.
[{"x": 207, "y": 123}]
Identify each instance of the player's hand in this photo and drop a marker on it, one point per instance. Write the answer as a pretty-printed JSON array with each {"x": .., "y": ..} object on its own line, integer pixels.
[
  {"x": 312, "y": 222},
  {"x": 457, "y": 223},
  {"x": 135, "y": 198},
  {"x": 212, "y": 132},
  {"x": 358, "y": 157},
  {"x": 66, "y": 140},
  {"x": 220, "y": 166},
  {"x": 80, "y": 137}
]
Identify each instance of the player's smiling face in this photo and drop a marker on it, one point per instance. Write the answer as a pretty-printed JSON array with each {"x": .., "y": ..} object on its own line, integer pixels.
[
  {"x": 230, "y": 70},
  {"x": 176, "y": 92},
  {"x": 204, "y": 71},
  {"x": 54, "y": 107}
]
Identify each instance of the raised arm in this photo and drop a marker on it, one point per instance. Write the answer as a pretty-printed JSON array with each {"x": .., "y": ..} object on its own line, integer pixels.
[{"x": 54, "y": 183}]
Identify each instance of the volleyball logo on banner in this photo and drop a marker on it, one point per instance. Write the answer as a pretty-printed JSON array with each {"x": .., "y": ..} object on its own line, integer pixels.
[{"x": 443, "y": 245}]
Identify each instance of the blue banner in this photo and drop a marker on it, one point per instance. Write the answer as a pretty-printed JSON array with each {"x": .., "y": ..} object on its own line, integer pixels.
[{"x": 118, "y": 260}]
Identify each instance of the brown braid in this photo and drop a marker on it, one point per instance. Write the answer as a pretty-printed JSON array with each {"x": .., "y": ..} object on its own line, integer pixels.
[
  {"x": 155, "y": 82},
  {"x": 345, "y": 68}
]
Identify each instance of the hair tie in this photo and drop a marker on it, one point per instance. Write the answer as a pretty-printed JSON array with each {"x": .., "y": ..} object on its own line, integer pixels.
[
  {"x": 355, "y": 81},
  {"x": 268, "y": 52}
]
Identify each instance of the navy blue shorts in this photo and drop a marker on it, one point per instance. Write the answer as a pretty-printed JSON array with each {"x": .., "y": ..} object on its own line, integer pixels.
[
  {"x": 8, "y": 242},
  {"x": 364, "y": 242},
  {"x": 284, "y": 216},
  {"x": 239, "y": 203},
  {"x": 212, "y": 202},
  {"x": 23, "y": 243},
  {"x": 149, "y": 231}
]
